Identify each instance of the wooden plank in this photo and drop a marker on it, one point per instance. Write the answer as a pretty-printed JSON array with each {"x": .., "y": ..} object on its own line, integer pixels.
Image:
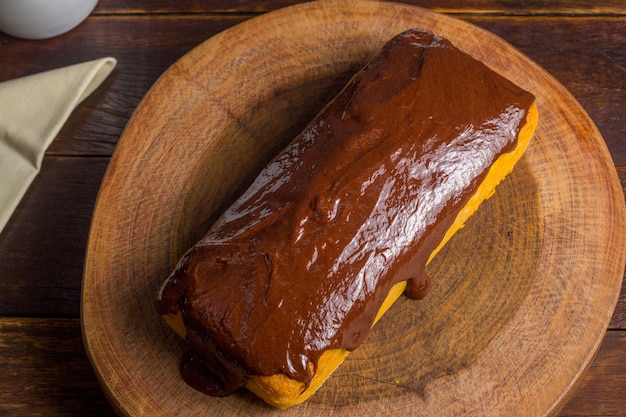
[
  {"x": 600, "y": 392},
  {"x": 146, "y": 46},
  {"x": 96, "y": 125},
  {"x": 447, "y": 6},
  {"x": 43, "y": 245},
  {"x": 45, "y": 370},
  {"x": 46, "y": 373},
  {"x": 618, "y": 321},
  {"x": 39, "y": 246}
]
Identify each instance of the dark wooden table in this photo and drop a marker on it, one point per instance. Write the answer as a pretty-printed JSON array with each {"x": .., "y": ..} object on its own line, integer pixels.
[{"x": 43, "y": 366}]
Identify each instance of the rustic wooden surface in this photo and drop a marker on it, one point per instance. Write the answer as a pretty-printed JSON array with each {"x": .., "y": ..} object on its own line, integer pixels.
[{"x": 42, "y": 248}]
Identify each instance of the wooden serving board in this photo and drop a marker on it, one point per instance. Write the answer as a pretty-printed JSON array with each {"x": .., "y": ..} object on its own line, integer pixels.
[{"x": 522, "y": 295}]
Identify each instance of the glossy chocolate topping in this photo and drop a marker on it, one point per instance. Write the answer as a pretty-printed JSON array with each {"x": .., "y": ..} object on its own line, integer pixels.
[{"x": 303, "y": 260}]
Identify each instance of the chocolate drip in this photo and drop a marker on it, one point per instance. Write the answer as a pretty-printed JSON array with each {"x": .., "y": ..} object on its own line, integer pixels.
[
  {"x": 303, "y": 260},
  {"x": 418, "y": 287}
]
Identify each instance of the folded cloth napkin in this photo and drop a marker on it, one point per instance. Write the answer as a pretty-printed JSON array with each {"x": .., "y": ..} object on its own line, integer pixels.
[{"x": 32, "y": 111}]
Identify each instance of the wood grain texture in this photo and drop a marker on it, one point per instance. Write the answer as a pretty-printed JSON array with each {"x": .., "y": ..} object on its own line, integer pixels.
[
  {"x": 41, "y": 260},
  {"x": 43, "y": 244},
  {"x": 48, "y": 359},
  {"x": 154, "y": 45},
  {"x": 41, "y": 353},
  {"x": 156, "y": 42},
  {"x": 618, "y": 321},
  {"x": 595, "y": 78},
  {"x": 507, "y": 7},
  {"x": 593, "y": 399},
  {"x": 544, "y": 218}
]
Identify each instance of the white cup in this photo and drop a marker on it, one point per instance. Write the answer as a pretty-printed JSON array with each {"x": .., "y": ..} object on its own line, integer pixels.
[{"x": 41, "y": 19}]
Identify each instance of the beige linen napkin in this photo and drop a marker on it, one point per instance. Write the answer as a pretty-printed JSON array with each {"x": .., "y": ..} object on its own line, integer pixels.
[{"x": 32, "y": 111}]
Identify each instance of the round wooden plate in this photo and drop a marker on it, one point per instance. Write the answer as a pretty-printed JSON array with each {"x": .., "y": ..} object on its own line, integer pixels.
[{"x": 522, "y": 295}]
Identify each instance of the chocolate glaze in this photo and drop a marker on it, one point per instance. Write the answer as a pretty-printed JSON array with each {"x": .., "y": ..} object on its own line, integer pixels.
[{"x": 303, "y": 260}]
